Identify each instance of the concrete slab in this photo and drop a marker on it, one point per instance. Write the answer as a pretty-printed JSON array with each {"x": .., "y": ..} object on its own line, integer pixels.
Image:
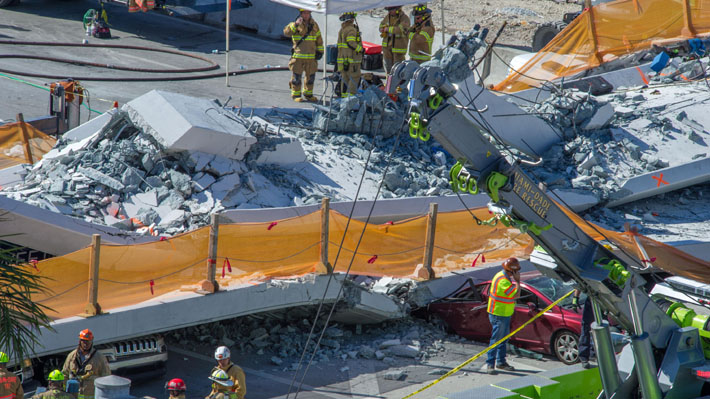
[
  {"x": 183, "y": 309},
  {"x": 89, "y": 128},
  {"x": 184, "y": 123},
  {"x": 662, "y": 181}
]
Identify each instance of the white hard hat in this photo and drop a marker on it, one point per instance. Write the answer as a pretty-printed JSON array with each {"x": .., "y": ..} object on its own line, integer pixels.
[{"x": 222, "y": 353}]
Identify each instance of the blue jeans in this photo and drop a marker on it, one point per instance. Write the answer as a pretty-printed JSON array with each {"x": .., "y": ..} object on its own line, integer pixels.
[
  {"x": 501, "y": 328},
  {"x": 585, "y": 344}
]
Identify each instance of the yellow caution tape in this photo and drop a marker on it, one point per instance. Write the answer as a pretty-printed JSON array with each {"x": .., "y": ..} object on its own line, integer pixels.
[{"x": 483, "y": 352}]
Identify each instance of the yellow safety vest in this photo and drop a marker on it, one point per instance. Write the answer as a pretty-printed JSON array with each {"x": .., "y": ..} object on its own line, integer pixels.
[{"x": 500, "y": 295}]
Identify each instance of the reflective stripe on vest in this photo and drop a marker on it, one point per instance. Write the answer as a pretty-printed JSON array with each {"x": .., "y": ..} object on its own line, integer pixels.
[
  {"x": 501, "y": 301},
  {"x": 10, "y": 396}
]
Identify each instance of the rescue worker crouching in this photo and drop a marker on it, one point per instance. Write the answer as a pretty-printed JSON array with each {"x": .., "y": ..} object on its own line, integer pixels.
[
  {"x": 11, "y": 388},
  {"x": 421, "y": 34},
  {"x": 55, "y": 387},
  {"x": 176, "y": 388},
  {"x": 307, "y": 49},
  {"x": 349, "y": 54},
  {"x": 86, "y": 364},
  {"x": 235, "y": 373},
  {"x": 394, "y": 30}
]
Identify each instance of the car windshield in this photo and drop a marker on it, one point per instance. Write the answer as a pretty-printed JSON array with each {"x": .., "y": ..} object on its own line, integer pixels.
[{"x": 553, "y": 289}]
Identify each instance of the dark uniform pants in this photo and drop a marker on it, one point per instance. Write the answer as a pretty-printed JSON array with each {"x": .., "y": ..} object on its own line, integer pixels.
[
  {"x": 390, "y": 57},
  {"x": 298, "y": 67}
]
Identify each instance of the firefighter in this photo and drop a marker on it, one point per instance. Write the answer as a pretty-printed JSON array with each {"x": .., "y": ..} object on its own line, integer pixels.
[
  {"x": 349, "y": 54},
  {"x": 222, "y": 385},
  {"x": 234, "y": 372},
  {"x": 176, "y": 388},
  {"x": 55, "y": 387},
  {"x": 10, "y": 384},
  {"x": 394, "y": 30},
  {"x": 307, "y": 49},
  {"x": 504, "y": 290},
  {"x": 421, "y": 34},
  {"x": 86, "y": 364}
]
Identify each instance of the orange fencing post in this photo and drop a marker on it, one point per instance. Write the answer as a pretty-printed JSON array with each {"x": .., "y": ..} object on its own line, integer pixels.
[
  {"x": 324, "y": 229},
  {"x": 92, "y": 306},
  {"x": 210, "y": 284},
  {"x": 25, "y": 139},
  {"x": 430, "y": 235}
]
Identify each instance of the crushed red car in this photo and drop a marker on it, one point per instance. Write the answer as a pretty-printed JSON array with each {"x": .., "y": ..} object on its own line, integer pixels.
[{"x": 556, "y": 332}]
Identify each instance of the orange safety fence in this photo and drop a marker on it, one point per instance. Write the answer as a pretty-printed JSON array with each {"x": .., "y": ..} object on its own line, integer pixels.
[
  {"x": 259, "y": 251},
  {"x": 607, "y": 31},
  {"x": 254, "y": 252},
  {"x": 12, "y": 144}
]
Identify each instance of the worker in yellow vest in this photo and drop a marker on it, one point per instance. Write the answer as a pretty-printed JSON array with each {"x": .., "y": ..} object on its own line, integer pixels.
[
  {"x": 394, "y": 30},
  {"x": 421, "y": 34},
  {"x": 505, "y": 289}
]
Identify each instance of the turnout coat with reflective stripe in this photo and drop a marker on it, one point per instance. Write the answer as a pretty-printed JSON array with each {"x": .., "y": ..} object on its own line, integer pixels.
[
  {"x": 312, "y": 40},
  {"x": 10, "y": 385},
  {"x": 421, "y": 37},
  {"x": 396, "y": 38},
  {"x": 501, "y": 295}
]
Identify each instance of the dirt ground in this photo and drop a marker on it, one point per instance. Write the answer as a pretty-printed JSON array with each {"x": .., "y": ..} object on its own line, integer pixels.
[{"x": 523, "y": 16}]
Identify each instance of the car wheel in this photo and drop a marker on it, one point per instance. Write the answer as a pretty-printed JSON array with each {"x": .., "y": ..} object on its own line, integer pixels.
[
  {"x": 545, "y": 33},
  {"x": 565, "y": 345}
]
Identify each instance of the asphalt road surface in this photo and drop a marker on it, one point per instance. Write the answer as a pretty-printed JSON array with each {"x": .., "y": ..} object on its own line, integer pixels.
[{"x": 61, "y": 22}]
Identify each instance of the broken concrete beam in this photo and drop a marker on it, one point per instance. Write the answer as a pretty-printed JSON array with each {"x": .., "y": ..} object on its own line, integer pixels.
[
  {"x": 662, "y": 181},
  {"x": 601, "y": 118},
  {"x": 513, "y": 125},
  {"x": 184, "y": 123},
  {"x": 101, "y": 178}
]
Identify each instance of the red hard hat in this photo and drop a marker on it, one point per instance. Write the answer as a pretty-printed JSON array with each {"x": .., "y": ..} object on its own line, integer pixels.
[
  {"x": 511, "y": 265},
  {"x": 176, "y": 384},
  {"x": 86, "y": 335}
]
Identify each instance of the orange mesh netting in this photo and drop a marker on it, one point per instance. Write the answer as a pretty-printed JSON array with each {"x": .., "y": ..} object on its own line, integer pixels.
[
  {"x": 12, "y": 144},
  {"x": 248, "y": 252},
  {"x": 607, "y": 31},
  {"x": 259, "y": 251}
]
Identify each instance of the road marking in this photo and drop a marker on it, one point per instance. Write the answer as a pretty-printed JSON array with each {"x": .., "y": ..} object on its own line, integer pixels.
[{"x": 267, "y": 376}]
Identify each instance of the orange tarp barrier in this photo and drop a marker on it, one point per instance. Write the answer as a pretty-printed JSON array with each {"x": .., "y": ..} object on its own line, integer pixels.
[
  {"x": 252, "y": 252},
  {"x": 259, "y": 251},
  {"x": 610, "y": 30},
  {"x": 12, "y": 144}
]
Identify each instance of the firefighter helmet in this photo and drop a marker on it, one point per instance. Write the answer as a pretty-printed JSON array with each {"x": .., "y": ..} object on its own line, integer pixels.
[
  {"x": 346, "y": 16},
  {"x": 222, "y": 353},
  {"x": 421, "y": 9},
  {"x": 221, "y": 377},
  {"x": 56, "y": 375},
  {"x": 511, "y": 265},
  {"x": 4, "y": 358},
  {"x": 176, "y": 384},
  {"x": 86, "y": 335}
]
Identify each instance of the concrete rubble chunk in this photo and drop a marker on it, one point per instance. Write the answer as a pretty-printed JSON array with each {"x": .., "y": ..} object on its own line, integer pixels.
[
  {"x": 179, "y": 123},
  {"x": 389, "y": 343},
  {"x": 404, "y": 350},
  {"x": 397, "y": 375},
  {"x": 101, "y": 178}
]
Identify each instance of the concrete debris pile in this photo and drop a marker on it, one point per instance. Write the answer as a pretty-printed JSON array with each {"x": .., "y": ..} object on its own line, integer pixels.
[
  {"x": 282, "y": 338},
  {"x": 374, "y": 112},
  {"x": 611, "y": 139}
]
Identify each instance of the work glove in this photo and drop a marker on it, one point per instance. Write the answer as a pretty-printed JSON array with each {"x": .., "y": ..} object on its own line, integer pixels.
[
  {"x": 319, "y": 55},
  {"x": 575, "y": 303}
]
